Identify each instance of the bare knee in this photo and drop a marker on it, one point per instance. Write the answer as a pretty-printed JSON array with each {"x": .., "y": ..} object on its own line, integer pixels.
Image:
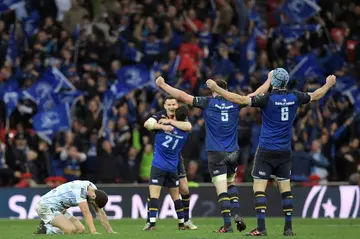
[
  {"x": 80, "y": 229},
  {"x": 69, "y": 229}
]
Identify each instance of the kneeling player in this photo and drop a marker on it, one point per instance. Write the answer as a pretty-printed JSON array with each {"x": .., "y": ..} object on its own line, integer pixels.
[
  {"x": 169, "y": 141},
  {"x": 52, "y": 208}
]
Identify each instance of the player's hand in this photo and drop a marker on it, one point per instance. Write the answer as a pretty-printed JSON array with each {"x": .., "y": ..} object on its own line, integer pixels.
[
  {"x": 160, "y": 81},
  {"x": 270, "y": 74},
  {"x": 211, "y": 84},
  {"x": 251, "y": 94},
  {"x": 164, "y": 121},
  {"x": 168, "y": 128},
  {"x": 96, "y": 233},
  {"x": 331, "y": 80},
  {"x": 112, "y": 232}
]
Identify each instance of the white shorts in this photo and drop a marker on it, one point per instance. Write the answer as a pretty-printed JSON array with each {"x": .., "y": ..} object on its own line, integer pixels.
[{"x": 47, "y": 213}]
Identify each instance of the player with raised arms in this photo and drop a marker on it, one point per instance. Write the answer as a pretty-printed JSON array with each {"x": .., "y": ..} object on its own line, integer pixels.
[
  {"x": 221, "y": 121},
  {"x": 167, "y": 116},
  {"x": 169, "y": 140},
  {"x": 273, "y": 156},
  {"x": 52, "y": 209}
]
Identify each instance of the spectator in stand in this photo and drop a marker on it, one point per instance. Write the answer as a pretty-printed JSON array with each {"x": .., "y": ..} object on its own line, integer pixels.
[{"x": 317, "y": 155}]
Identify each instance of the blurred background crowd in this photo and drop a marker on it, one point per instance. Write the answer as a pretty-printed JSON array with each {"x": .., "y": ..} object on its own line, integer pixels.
[{"x": 98, "y": 60}]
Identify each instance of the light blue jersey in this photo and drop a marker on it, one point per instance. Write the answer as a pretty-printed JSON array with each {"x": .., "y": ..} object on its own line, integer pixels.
[{"x": 67, "y": 195}]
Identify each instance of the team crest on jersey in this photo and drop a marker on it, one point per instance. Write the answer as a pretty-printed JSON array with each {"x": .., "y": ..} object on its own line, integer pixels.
[{"x": 284, "y": 100}]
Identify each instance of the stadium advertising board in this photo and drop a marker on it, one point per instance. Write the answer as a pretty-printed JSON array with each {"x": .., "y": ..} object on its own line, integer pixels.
[{"x": 130, "y": 202}]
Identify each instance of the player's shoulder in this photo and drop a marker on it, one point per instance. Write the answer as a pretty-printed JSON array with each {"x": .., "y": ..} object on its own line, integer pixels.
[{"x": 160, "y": 114}]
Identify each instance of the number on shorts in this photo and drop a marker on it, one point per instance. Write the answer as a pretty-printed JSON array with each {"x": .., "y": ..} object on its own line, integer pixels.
[
  {"x": 169, "y": 139},
  {"x": 224, "y": 116},
  {"x": 284, "y": 113}
]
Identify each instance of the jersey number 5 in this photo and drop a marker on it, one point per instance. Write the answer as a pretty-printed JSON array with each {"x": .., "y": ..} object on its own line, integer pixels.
[
  {"x": 284, "y": 113},
  {"x": 168, "y": 140},
  {"x": 224, "y": 116}
]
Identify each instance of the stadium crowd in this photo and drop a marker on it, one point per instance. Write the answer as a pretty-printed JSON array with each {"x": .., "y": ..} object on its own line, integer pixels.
[{"x": 187, "y": 42}]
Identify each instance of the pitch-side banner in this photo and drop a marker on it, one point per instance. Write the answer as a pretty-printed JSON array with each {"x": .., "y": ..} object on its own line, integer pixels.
[{"x": 312, "y": 202}]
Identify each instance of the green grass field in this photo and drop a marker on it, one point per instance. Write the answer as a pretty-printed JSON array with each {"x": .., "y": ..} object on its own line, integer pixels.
[{"x": 167, "y": 229}]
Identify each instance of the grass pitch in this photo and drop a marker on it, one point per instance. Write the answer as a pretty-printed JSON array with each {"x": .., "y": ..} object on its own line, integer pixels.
[{"x": 167, "y": 229}]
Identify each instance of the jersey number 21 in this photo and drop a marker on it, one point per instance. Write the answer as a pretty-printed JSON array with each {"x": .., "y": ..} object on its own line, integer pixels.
[{"x": 168, "y": 140}]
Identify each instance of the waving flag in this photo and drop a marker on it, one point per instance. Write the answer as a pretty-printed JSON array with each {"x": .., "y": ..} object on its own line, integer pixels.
[
  {"x": 292, "y": 33},
  {"x": 31, "y": 23},
  {"x": 130, "y": 53},
  {"x": 7, "y": 5},
  {"x": 12, "y": 50},
  {"x": 130, "y": 78},
  {"x": 53, "y": 75},
  {"x": 344, "y": 83},
  {"x": 39, "y": 92},
  {"x": 300, "y": 10},
  {"x": 11, "y": 99},
  {"x": 306, "y": 66},
  {"x": 46, "y": 124},
  {"x": 251, "y": 52},
  {"x": 108, "y": 101},
  {"x": 354, "y": 96}
]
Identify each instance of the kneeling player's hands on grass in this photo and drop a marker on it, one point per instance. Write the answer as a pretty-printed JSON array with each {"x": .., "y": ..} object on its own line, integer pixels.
[
  {"x": 168, "y": 128},
  {"x": 211, "y": 84},
  {"x": 96, "y": 233},
  {"x": 113, "y": 232},
  {"x": 160, "y": 81},
  {"x": 164, "y": 121},
  {"x": 331, "y": 80}
]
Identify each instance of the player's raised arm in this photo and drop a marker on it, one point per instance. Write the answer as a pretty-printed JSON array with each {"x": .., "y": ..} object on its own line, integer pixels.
[
  {"x": 232, "y": 97},
  {"x": 84, "y": 207},
  {"x": 178, "y": 94},
  {"x": 183, "y": 125},
  {"x": 321, "y": 92},
  {"x": 264, "y": 87},
  {"x": 101, "y": 215}
]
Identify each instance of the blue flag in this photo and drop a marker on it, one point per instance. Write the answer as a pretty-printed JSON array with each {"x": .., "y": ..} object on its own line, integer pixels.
[
  {"x": 108, "y": 101},
  {"x": 7, "y": 5},
  {"x": 344, "y": 83},
  {"x": 54, "y": 76},
  {"x": 292, "y": 33},
  {"x": 306, "y": 66},
  {"x": 12, "y": 50},
  {"x": 69, "y": 97},
  {"x": 354, "y": 96},
  {"x": 11, "y": 99},
  {"x": 251, "y": 52},
  {"x": 300, "y": 10},
  {"x": 130, "y": 53},
  {"x": 40, "y": 91},
  {"x": 129, "y": 78},
  {"x": 31, "y": 23},
  {"x": 46, "y": 124}
]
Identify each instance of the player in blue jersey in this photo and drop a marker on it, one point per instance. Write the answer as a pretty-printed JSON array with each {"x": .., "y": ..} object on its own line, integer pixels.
[
  {"x": 169, "y": 140},
  {"x": 221, "y": 121},
  {"x": 273, "y": 156},
  {"x": 52, "y": 208},
  {"x": 166, "y": 116}
]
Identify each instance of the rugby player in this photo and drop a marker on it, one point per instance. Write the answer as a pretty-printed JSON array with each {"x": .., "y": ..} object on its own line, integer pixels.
[
  {"x": 273, "y": 156},
  {"x": 169, "y": 140},
  {"x": 166, "y": 116},
  {"x": 52, "y": 209},
  {"x": 221, "y": 120}
]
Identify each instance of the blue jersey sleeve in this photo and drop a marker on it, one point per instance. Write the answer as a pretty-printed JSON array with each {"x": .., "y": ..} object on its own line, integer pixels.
[
  {"x": 260, "y": 100},
  {"x": 303, "y": 98},
  {"x": 158, "y": 115},
  {"x": 201, "y": 102}
]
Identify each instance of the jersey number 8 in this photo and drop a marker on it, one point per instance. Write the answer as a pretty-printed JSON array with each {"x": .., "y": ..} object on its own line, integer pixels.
[
  {"x": 284, "y": 113},
  {"x": 169, "y": 139},
  {"x": 224, "y": 116}
]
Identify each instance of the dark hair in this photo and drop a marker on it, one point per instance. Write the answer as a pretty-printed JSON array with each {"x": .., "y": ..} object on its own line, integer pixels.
[
  {"x": 169, "y": 97},
  {"x": 181, "y": 113},
  {"x": 101, "y": 198},
  {"x": 222, "y": 84}
]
